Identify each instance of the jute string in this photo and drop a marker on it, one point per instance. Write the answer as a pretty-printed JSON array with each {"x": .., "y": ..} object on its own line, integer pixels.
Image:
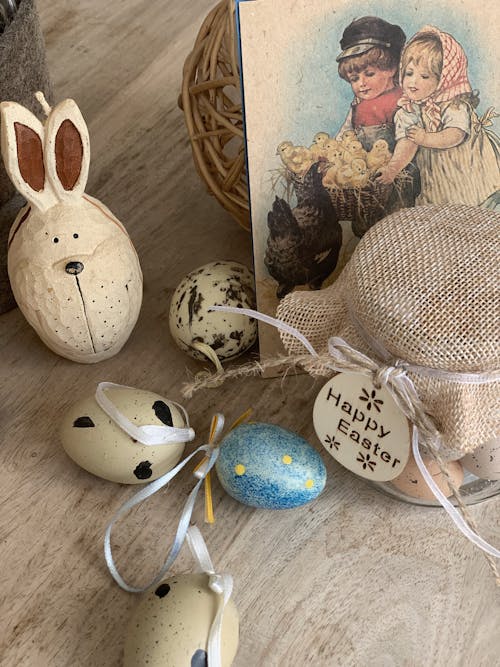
[{"x": 393, "y": 375}]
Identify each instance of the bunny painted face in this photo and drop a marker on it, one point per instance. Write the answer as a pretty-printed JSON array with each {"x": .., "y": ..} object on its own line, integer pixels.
[{"x": 73, "y": 269}]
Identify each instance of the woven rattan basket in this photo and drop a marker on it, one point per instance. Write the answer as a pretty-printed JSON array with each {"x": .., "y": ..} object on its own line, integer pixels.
[{"x": 211, "y": 101}]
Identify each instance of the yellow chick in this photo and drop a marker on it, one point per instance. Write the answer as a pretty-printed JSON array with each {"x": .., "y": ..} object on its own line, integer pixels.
[
  {"x": 330, "y": 178},
  {"x": 318, "y": 147},
  {"x": 354, "y": 150},
  {"x": 285, "y": 150},
  {"x": 348, "y": 136},
  {"x": 379, "y": 155},
  {"x": 334, "y": 151},
  {"x": 300, "y": 160},
  {"x": 344, "y": 175},
  {"x": 360, "y": 174}
]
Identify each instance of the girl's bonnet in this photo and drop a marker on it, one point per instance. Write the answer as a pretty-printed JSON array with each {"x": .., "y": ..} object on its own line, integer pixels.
[{"x": 453, "y": 81}]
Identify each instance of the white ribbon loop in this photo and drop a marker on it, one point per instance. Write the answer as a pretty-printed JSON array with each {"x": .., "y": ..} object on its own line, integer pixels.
[
  {"x": 182, "y": 528},
  {"x": 149, "y": 434},
  {"x": 222, "y": 584}
]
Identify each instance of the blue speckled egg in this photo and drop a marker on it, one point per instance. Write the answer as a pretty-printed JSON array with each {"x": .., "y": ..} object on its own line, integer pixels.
[{"x": 263, "y": 465}]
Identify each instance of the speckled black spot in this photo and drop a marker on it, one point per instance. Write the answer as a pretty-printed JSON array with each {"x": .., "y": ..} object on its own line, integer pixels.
[
  {"x": 143, "y": 470},
  {"x": 162, "y": 411},
  {"x": 83, "y": 422},
  {"x": 199, "y": 658},
  {"x": 194, "y": 304},
  {"x": 236, "y": 335},
  {"x": 162, "y": 590},
  {"x": 181, "y": 298},
  {"x": 219, "y": 340}
]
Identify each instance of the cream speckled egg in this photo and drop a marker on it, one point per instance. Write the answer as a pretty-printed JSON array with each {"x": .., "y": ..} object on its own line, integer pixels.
[
  {"x": 222, "y": 283},
  {"x": 411, "y": 482},
  {"x": 485, "y": 460},
  {"x": 170, "y": 626},
  {"x": 93, "y": 440}
]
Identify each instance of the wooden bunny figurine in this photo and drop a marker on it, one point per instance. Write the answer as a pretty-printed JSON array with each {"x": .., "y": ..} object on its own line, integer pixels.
[{"x": 72, "y": 266}]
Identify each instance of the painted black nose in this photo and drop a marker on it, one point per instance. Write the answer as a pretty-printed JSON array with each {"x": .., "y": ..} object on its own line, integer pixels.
[{"x": 74, "y": 268}]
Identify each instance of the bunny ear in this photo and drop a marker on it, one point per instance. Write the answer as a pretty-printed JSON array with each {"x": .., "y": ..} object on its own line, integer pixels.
[
  {"x": 22, "y": 150},
  {"x": 67, "y": 150}
]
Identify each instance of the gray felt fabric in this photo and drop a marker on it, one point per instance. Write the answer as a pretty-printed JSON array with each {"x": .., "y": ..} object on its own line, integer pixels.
[{"x": 23, "y": 71}]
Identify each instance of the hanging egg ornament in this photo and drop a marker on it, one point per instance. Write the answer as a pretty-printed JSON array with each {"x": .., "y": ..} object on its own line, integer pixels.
[
  {"x": 266, "y": 466},
  {"x": 96, "y": 443},
  {"x": 216, "y": 335},
  {"x": 73, "y": 269},
  {"x": 171, "y": 625}
]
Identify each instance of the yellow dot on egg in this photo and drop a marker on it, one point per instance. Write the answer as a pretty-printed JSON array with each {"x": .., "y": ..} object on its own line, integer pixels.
[
  {"x": 239, "y": 469},
  {"x": 287, "y": 459},
  {"x": 309, "y": 484}
]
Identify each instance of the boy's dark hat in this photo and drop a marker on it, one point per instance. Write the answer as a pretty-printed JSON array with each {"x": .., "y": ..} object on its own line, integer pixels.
[{"x": 363, "y": 34}]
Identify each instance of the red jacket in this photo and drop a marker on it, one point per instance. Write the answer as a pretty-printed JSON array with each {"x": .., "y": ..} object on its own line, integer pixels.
[{"x": 378, "y": 111}]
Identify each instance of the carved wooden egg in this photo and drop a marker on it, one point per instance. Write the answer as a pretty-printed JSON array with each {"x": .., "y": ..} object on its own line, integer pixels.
[
  {"x": 72, "y": 266},
  {"x": 264, "y": 465},
  {"x": 192, "y": 326},
  {"x": 170, "y": 626},
  {"x": 96, "y": 443}
]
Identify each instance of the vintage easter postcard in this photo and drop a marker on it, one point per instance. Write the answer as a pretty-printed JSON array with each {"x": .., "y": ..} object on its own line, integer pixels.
[{"x": 354, "y": 111}]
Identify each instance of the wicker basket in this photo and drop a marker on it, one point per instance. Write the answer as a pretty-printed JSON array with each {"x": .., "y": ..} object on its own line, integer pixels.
[
  {"x": 211, "y": 101},
  {"x": 362, "y": 206}
]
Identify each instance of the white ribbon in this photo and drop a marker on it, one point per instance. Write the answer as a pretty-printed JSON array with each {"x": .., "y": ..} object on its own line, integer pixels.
[
  {"x": 222, "y": 584},
  {"x": 146, "y": 492},
  {"x": 150, "y": 434},
  {"x": 395, "y": 379}
]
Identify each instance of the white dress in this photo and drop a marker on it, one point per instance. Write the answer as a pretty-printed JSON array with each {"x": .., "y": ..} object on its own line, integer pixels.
[{"x": 465, "y": 174}]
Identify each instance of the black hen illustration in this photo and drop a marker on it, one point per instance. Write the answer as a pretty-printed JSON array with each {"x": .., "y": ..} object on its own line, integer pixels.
[{"x": 304, "y": 243}]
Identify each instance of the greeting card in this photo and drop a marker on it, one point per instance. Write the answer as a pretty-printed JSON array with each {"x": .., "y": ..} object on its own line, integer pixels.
[{"x": 353, "y": 112}]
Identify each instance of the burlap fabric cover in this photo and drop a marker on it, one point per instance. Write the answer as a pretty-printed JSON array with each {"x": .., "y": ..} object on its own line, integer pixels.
[
  {"x": 424, "y": 282},
  {"x": 23, "y": 72}
]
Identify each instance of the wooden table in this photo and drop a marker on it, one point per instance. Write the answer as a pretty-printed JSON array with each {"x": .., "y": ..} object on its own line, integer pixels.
[{"x": 354, "y": 578}]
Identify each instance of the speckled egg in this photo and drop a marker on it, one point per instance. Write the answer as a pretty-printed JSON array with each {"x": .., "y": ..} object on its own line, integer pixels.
[
  {"x": 484, "y": 462},
  {"x": 266, "y": 466},
  {"x": 93, "y": 440},
  {"x": 411, "y": 482},
  {"x": 170, "y": 626},
  {"x": 221, "y": 283}
]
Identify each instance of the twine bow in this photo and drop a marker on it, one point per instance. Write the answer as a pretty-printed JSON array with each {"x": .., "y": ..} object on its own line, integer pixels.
[{"x": 393, "y": 376}]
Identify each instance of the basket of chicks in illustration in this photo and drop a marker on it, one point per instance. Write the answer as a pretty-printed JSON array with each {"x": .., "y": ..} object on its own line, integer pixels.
[{"x": 348, "y": 175}]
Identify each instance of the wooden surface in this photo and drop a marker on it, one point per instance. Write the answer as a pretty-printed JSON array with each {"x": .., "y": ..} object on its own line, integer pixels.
[{"x": 354, "y": 578}]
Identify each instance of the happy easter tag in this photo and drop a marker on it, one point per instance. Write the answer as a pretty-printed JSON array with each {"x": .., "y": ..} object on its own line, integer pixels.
[{"x": 362, "y": 427}]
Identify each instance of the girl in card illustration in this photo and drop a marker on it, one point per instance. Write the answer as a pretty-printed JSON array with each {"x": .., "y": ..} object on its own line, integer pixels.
[{"x": 437, "y": 123}]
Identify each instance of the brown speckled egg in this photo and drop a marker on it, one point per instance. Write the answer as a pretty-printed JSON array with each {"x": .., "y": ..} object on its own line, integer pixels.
[
  {"x": 93, "y": 440},
  {"x": 222, "y": 283},
  {"x": 170, "y": 626},
  {"x": 484, "y": 462},
  {"x": 411, "y": 482}
]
